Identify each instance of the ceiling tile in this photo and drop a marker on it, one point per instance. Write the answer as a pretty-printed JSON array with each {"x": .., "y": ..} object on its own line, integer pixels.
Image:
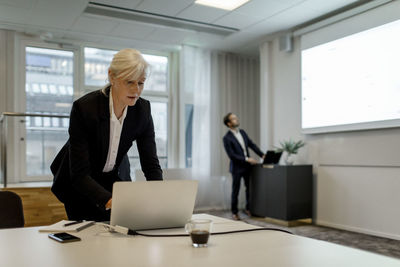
[
  {"x": 56, "y": 13},
  {"x": 202, "y": 13},
  {"x": 265, "y": 9},
  {"x": 285, "y": 20},
  {"x": 132, "y": 30},
  {"x": 160, "y": 7},
  {"x": 256, "y": 19},
  {"x": 169, "y": 35},
  {"x": 61, "y": 6},
  {"x": 281, "y": 21},
  {"x": 326, "y": 6},
  {"x": 237, "y": 20},
  {"x": 14, "y": 14},
  {"x": 94, "y": 25},
  {"x": 131, "y": 4},
  {"x": 26, "y": 4}
]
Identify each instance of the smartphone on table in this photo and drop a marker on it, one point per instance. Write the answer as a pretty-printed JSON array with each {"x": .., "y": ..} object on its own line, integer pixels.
[{"x": 64, "y": 237}]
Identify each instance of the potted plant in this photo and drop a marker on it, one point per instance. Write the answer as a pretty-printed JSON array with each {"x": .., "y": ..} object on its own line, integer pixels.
[{"x": 291, "y": 148}]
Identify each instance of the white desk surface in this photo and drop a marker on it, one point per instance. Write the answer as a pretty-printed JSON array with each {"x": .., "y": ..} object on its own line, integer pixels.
[{"x": 28, "y": 247}]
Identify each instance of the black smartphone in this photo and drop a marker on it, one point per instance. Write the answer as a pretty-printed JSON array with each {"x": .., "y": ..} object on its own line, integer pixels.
[{"x": 64, "y": 237}]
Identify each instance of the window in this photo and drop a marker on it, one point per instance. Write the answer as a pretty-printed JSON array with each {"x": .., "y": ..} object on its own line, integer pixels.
[
  {"x": 50, "y": 89},
  {"x": 159, "y": 112},
  {"x": 97, "y": 62},
  {"x": 157, "y": 80},
  {"x": 46, "y": 69},
  {"x": 53, "y": 89}
]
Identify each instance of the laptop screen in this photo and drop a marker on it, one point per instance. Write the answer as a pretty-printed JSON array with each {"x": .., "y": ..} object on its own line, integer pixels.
[
  {"x": 272, "y": 157},
  {"x": 153, "y": 204}
]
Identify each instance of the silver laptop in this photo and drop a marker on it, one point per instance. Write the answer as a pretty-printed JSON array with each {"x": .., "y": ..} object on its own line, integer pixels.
[{"x": 153, "y": 204}]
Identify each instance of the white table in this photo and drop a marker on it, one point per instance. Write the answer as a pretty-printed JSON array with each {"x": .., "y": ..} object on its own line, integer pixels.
[{"x": 28, "y": 247}]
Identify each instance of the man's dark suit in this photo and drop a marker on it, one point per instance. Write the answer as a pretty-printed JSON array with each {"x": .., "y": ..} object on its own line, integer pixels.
[
  {"x": 79, "y": 181},
  {"x": 239, "y": 167}
]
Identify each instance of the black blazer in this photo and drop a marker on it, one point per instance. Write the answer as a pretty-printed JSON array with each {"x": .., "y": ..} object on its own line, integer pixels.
[
  {"x": 78, "y": 167},
  {"x": 235, "y": 151}
]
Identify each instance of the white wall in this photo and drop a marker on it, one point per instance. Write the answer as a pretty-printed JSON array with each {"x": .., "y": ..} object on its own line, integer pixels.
[{"x": 356, "y": 174}]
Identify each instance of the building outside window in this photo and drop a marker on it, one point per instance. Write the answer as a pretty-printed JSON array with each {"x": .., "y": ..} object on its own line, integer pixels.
[
  {"x": 155, "y": 90},
  {"x": 49, "y": 89}
]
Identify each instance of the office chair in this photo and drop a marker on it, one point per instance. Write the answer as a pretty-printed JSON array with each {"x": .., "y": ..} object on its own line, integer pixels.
[{"x": 11, "y": 212}]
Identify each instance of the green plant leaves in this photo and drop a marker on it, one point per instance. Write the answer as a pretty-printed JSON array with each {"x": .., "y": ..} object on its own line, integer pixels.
[{"x": 290, "y": 146}]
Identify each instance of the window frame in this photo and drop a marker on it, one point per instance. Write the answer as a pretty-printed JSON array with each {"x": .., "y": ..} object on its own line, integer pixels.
[
  {"x": 20, "y": 147},
  {"x": 145, "y": 93},
  {"x": 17, "y": 172}
]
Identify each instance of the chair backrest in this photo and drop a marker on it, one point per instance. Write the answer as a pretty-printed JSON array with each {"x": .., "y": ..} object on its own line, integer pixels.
[{"x": 11, "y": 211}]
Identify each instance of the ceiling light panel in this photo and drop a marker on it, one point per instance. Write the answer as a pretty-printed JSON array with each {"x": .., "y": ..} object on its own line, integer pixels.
[{"x": 222, "y": 4}]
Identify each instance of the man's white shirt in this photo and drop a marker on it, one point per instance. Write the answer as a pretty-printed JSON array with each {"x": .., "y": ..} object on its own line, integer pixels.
[{"x": 240, "y": 139}]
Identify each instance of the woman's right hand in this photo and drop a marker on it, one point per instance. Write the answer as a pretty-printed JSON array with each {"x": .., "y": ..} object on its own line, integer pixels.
[{"x": 108, "y": 204}]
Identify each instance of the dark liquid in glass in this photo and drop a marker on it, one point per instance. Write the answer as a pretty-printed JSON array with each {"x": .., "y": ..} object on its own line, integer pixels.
[{"x": 199, "y": 236}]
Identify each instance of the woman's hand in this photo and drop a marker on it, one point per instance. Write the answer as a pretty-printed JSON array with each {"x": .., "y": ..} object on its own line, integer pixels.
[{"x": 108, "y": 204}]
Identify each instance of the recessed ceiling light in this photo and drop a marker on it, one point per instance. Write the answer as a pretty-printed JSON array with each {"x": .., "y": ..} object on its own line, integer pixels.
[{"x": 223, "y": 4}]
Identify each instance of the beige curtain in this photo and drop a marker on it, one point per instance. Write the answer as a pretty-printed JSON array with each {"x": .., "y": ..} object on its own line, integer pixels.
[{"x": 222, "y": 83}]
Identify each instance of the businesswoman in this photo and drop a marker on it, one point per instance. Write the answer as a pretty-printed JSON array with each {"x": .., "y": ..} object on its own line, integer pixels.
[{"x": 103, "y": 125}]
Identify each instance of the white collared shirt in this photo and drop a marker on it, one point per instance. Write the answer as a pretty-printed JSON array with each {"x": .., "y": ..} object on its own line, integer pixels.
[
  {"x": 239, "y": 137},
  {"x": 115, "y": 135}
]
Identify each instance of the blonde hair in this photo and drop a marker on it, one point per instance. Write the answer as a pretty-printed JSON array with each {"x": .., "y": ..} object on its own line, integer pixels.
[{"x": 127, "y": 64}]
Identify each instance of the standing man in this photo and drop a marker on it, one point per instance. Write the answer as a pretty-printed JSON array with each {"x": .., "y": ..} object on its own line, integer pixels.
[{"x": 237, "y": 143}]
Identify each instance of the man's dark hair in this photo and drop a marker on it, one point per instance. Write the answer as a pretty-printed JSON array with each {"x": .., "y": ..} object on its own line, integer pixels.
[{"x": 226, "y": 118}]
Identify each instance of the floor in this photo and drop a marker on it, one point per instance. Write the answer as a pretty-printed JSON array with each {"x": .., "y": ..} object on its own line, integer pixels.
[{"x": 384, "y": 246}]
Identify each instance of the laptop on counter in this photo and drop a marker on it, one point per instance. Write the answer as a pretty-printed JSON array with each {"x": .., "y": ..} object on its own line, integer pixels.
[
  {"x": 149, "y": 205},
  {"x": 271, "y": 157}
]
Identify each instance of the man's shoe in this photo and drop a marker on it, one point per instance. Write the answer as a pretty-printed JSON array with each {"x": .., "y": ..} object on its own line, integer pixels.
[
  {"x": 248, "y": 213},
  {"x": 236, "y": 217}
]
